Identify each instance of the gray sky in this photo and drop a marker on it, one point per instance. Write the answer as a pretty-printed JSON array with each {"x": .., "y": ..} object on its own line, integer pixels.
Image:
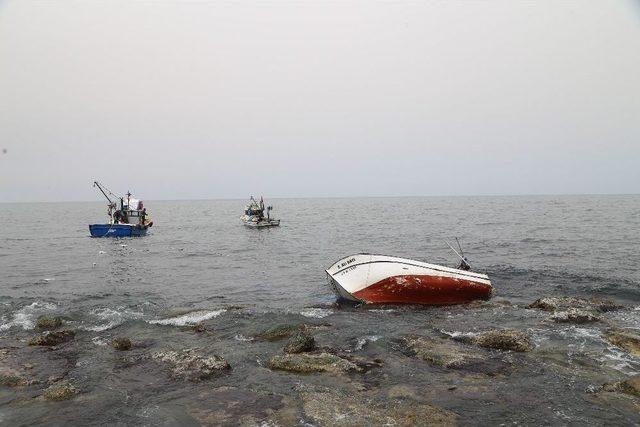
[{"x": 287, "y": 99}]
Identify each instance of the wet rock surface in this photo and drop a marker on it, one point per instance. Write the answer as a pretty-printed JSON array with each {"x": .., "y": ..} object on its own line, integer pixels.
[
  {"x": 629, "y": 340},
  {"x": 331, "y": 408},
  {"x": 305, "y": 363},
  {"x": 300, "y": 342},
  {"x": 60, "y": 391},
  {"x": 629, "y": 386},
  {"x": 451, "y": 355},
  {"x": 558, "y": 303},
  {"x": 192, "y": 365},
  {"x": 574, "y": 315},
  {"x": 278, "y": 332},
  {"x": 48, "y": 322},
  {"x": 504, "y": 339},
  {"x": 121, "y": 343},
  {"x": 52, "y": 338}
]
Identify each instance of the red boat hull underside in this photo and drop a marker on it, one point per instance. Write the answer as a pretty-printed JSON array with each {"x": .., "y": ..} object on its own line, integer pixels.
[{"x": 429, "y": 290}]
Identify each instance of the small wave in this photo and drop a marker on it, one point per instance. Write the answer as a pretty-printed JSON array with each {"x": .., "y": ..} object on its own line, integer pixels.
[
  {"x": 383, "y": 310},
  {"x": 316, "y": 313},
  {"x": 189, "y": 318},
  {"x": 26, "y": 316},
  {"x": 110, "y": 318},
  {"x": 242, "y": 338}
]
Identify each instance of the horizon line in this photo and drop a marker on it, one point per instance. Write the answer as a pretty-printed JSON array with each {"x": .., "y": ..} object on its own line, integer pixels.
[{"x": 341, "y": 197}]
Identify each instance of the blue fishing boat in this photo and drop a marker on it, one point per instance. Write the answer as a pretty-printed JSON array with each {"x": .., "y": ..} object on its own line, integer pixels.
[{"x": 129, "y": 219}]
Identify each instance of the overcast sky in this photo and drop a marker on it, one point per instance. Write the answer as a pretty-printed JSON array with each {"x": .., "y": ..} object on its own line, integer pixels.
[{"x": 289, "y": 99}]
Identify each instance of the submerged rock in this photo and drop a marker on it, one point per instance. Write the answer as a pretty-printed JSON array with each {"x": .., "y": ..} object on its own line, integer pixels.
[
  {"x": 60, "y": 391},
  {"x": 504, "y": 339},
  {"x": 52, "y": 338},
  {"x": 574, "y": 315},
  {"x": 121, "y": 343},
  {"x": 198, "y": 327},
  {"x": 629, "y": 386},
  {"x": 318, "y": 362},
  {"x": 278, "y": 332},
  {"x": 438, "y": 352},
  {"x": 625, "y": 339},
  {"x": 48, "y": 322},
  {"x": 447, "y": 354},
  {"x": 191, "y": 365},
  {"x": 300, "y": 343},
  {"x": 565, "y": 303},
  {"x": 12, "y": 380},
  {"x": 331, "y": 408}
]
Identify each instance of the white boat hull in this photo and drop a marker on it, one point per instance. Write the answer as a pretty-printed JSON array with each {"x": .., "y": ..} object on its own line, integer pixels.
[{"x": 382, "y": 279}]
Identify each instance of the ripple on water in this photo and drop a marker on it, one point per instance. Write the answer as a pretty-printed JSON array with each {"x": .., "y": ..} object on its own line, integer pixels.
[{"x": 190, "y": 318}]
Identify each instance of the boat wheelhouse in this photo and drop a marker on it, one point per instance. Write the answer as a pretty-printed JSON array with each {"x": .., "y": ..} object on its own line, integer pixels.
[{"x": 254, "y": 215}]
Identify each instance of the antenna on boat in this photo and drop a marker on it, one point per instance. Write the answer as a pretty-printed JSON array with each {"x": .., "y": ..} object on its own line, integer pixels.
[
  {"x": 464, "y": 263},
  {"x": 459, "y": 247}
]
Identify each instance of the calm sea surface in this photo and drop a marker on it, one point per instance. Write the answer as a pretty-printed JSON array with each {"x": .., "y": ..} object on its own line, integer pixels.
[{"x": 199, "y": 264}]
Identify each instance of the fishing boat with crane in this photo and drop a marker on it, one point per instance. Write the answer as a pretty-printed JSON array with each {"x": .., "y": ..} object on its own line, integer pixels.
[
  {"x": 127, "y": 216},
  {"x": 381, "y": 279},
  {"x": 254, "y": 215}
]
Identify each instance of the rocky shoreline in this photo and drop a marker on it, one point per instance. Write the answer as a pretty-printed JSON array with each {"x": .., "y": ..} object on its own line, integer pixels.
[{"x": 319, "y": 382}]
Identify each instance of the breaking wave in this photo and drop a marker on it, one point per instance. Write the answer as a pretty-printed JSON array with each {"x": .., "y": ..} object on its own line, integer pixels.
[
  {"x": 109, "y": 318},
  {"x": 189, "y": 318},
  {"x": 316, "y": 313},
  {"x": 26, "y": 316}
]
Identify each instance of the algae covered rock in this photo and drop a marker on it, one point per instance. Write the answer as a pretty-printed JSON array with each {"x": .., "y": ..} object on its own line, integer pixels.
[
  {"x": 12, "y": 380},
  {"x": 334, "y": 408},
  {"x": 278, "y": 332},
  {"x": 629, "y": 386},
  {"x": 575, "y": 315},
  {"x": 625, "y": 339},
  {"x": 48, "y": 322},
  {"x": 121, "y": 343},
  {"x": 504, "y": 339},
  {"x": 309, "y": 363},
  {"x": 191, "y": 365},
  {"x": 60, "y": 391},
  {"x": 299, "y": 343},
  {"x": 52, "y": 338},
  {"x": 566, "y": 303},
  {"x": 450, "y": 355}
]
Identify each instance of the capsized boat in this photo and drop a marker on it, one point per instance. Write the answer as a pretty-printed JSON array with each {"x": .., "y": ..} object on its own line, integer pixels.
[
  {"x": 254, "y": 215},
  {"x": 380, "y": 279},
  {"x": 127, "y": 217}
]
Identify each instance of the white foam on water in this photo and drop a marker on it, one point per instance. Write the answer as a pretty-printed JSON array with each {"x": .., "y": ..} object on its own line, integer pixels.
[
  {"x": 242, "y": 338},
  {"x": 455, "y": 334},
  {"x": 364, "y": 340},
  {"x": 316, "y": 313},
  {"x": 190, "y": 318},
  {"x": 383, "y": 310},
  {"x": 99, "y": 341},
  {"x": 27, "y": 315},
  {"x": 110, "y": 318}
]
